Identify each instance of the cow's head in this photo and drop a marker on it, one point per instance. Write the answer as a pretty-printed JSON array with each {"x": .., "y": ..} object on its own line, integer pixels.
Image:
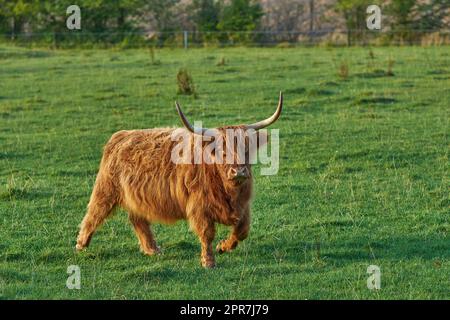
[{"x": 239, "y": 143}]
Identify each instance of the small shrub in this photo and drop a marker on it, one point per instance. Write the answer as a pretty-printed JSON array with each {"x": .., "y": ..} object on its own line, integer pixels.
[
  {"x": 185, "y": 82},
  {"x": 371, "y": 60},
  {"x": 390, "y": 72},
  {"x": 152, "y": 55},
  {"x": 221, "y": 62},
  {"x": 343, "y": 71}
]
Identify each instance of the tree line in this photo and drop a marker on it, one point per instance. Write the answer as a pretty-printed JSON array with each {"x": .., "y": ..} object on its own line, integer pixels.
[{"x": 220, "y": 20}]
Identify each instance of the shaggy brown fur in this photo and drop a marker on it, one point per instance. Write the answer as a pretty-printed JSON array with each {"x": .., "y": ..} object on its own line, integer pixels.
[{"x": 137, "y": 174}]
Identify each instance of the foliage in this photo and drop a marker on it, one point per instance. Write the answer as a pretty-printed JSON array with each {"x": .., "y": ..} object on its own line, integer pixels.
[
  {"x": 400, "y": 12},
  {"x": 239, "y": 19},
  {"x": 211, "y": 21},
  {"x": 431, "y": 15},
  {"x": 206, "y": 15},
  {"x": 354, "y": 14}
]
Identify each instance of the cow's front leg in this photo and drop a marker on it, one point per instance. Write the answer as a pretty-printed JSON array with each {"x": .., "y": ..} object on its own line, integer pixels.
[
  {"x": 239, "y": 233},
  {"x": 206, "y": 231}
]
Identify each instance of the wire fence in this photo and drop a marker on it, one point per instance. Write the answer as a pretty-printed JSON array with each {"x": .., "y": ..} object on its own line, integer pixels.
[{"x": 192, "y": 39}]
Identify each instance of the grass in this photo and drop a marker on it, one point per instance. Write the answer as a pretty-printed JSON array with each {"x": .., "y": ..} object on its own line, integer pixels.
[{"x": 364, "y": 172}]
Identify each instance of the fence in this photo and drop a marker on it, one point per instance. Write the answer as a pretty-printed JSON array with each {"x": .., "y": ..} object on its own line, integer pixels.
[{"x": 190, "y": 39}]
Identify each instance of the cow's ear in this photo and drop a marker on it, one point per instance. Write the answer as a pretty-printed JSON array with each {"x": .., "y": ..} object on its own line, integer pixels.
[{"x": 262, "y": 137}]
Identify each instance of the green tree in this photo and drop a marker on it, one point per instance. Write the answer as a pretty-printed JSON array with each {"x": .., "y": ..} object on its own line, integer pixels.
[
  {"x": 400, "y": 13},
  {"x": 206, "y": 15},
  {"x": 14, "y": 15},
  {"x": 240, "y": 18},
  {"x": 354, "y": 14},
  {"x": 432, "y": 15},
  {"x": 163, "y": 14},
  {"x": 162, "y": 11},
  {"x": 110, "y": 15},
  {"x": 4, "y": 19}
]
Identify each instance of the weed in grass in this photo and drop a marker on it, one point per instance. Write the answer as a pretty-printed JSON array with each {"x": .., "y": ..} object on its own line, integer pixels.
[
  {"x": 390, "y": 71},
  {"x": 152, "y": 53},
  {"x": 371, "y": 61},
  {"x": 15, "y": 188},
  {"x": 317, "y": 248},
  {"x": 343, "y": 72},
  {"x": 222, "y": 62},
  {"x": 371, "y": 54},
  {"x": 185, "y": 83}
]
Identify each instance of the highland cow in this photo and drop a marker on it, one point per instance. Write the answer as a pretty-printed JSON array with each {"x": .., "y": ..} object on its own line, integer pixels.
[{"x": 137, "y": 173}]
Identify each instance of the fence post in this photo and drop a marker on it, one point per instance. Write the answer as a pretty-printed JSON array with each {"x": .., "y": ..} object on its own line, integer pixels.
[{"x": 185, "y": 39}]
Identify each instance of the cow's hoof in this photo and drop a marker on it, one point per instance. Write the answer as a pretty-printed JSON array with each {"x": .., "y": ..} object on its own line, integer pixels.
[
  {"x": 220, "y": 248},
  {"x": 151, "y": 252},
  {"x": 224, "y": 246},
  {"x": 209, "y": 264},
  {"x": 79, "y": 247}
]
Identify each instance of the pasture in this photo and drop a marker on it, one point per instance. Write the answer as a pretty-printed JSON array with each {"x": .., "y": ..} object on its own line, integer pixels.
[{"x": 363, "y": 179}]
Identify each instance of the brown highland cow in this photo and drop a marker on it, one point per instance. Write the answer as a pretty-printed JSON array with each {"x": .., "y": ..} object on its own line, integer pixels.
[{"x": 137, "y": 173}]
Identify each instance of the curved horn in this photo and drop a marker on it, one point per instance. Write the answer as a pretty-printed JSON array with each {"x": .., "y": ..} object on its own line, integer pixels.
[
  {"x": 187, "y": 123},
  {"x": 272, "y": 119}
]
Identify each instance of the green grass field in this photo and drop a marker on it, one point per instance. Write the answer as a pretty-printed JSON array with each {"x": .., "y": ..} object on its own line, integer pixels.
[{"x": 363, "y": 179}]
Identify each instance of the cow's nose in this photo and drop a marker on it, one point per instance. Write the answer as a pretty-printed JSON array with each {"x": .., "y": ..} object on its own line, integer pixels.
[{"x": 242, "y": 172}]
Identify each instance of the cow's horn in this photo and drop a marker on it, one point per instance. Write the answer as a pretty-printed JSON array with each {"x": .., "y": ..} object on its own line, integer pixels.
[
  {"x": 186, "y": 122},
  {"x": 272, "y": 119}
]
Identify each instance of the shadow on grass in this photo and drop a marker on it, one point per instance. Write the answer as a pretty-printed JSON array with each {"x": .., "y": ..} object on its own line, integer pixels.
[
  {"x": 320, "y": 92},
  {"x": 9, "y": 54},
  {"x": 377, "y": 100},
  {"x": 338, "y": 255},
  {"x": 12, "y": 156},
  {"x": 438, "y": 72},
  {"x": 23, "y": 194},
  {"x": 299, "y": 90},
  {"x": 372, "y": 75}
]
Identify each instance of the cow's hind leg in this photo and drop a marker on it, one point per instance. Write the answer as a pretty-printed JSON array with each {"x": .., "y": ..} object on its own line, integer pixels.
[
  {"x": 103, "y": 201},
  {"x": 144, "y": 234},
  {"x": 239, "y": 233}
]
